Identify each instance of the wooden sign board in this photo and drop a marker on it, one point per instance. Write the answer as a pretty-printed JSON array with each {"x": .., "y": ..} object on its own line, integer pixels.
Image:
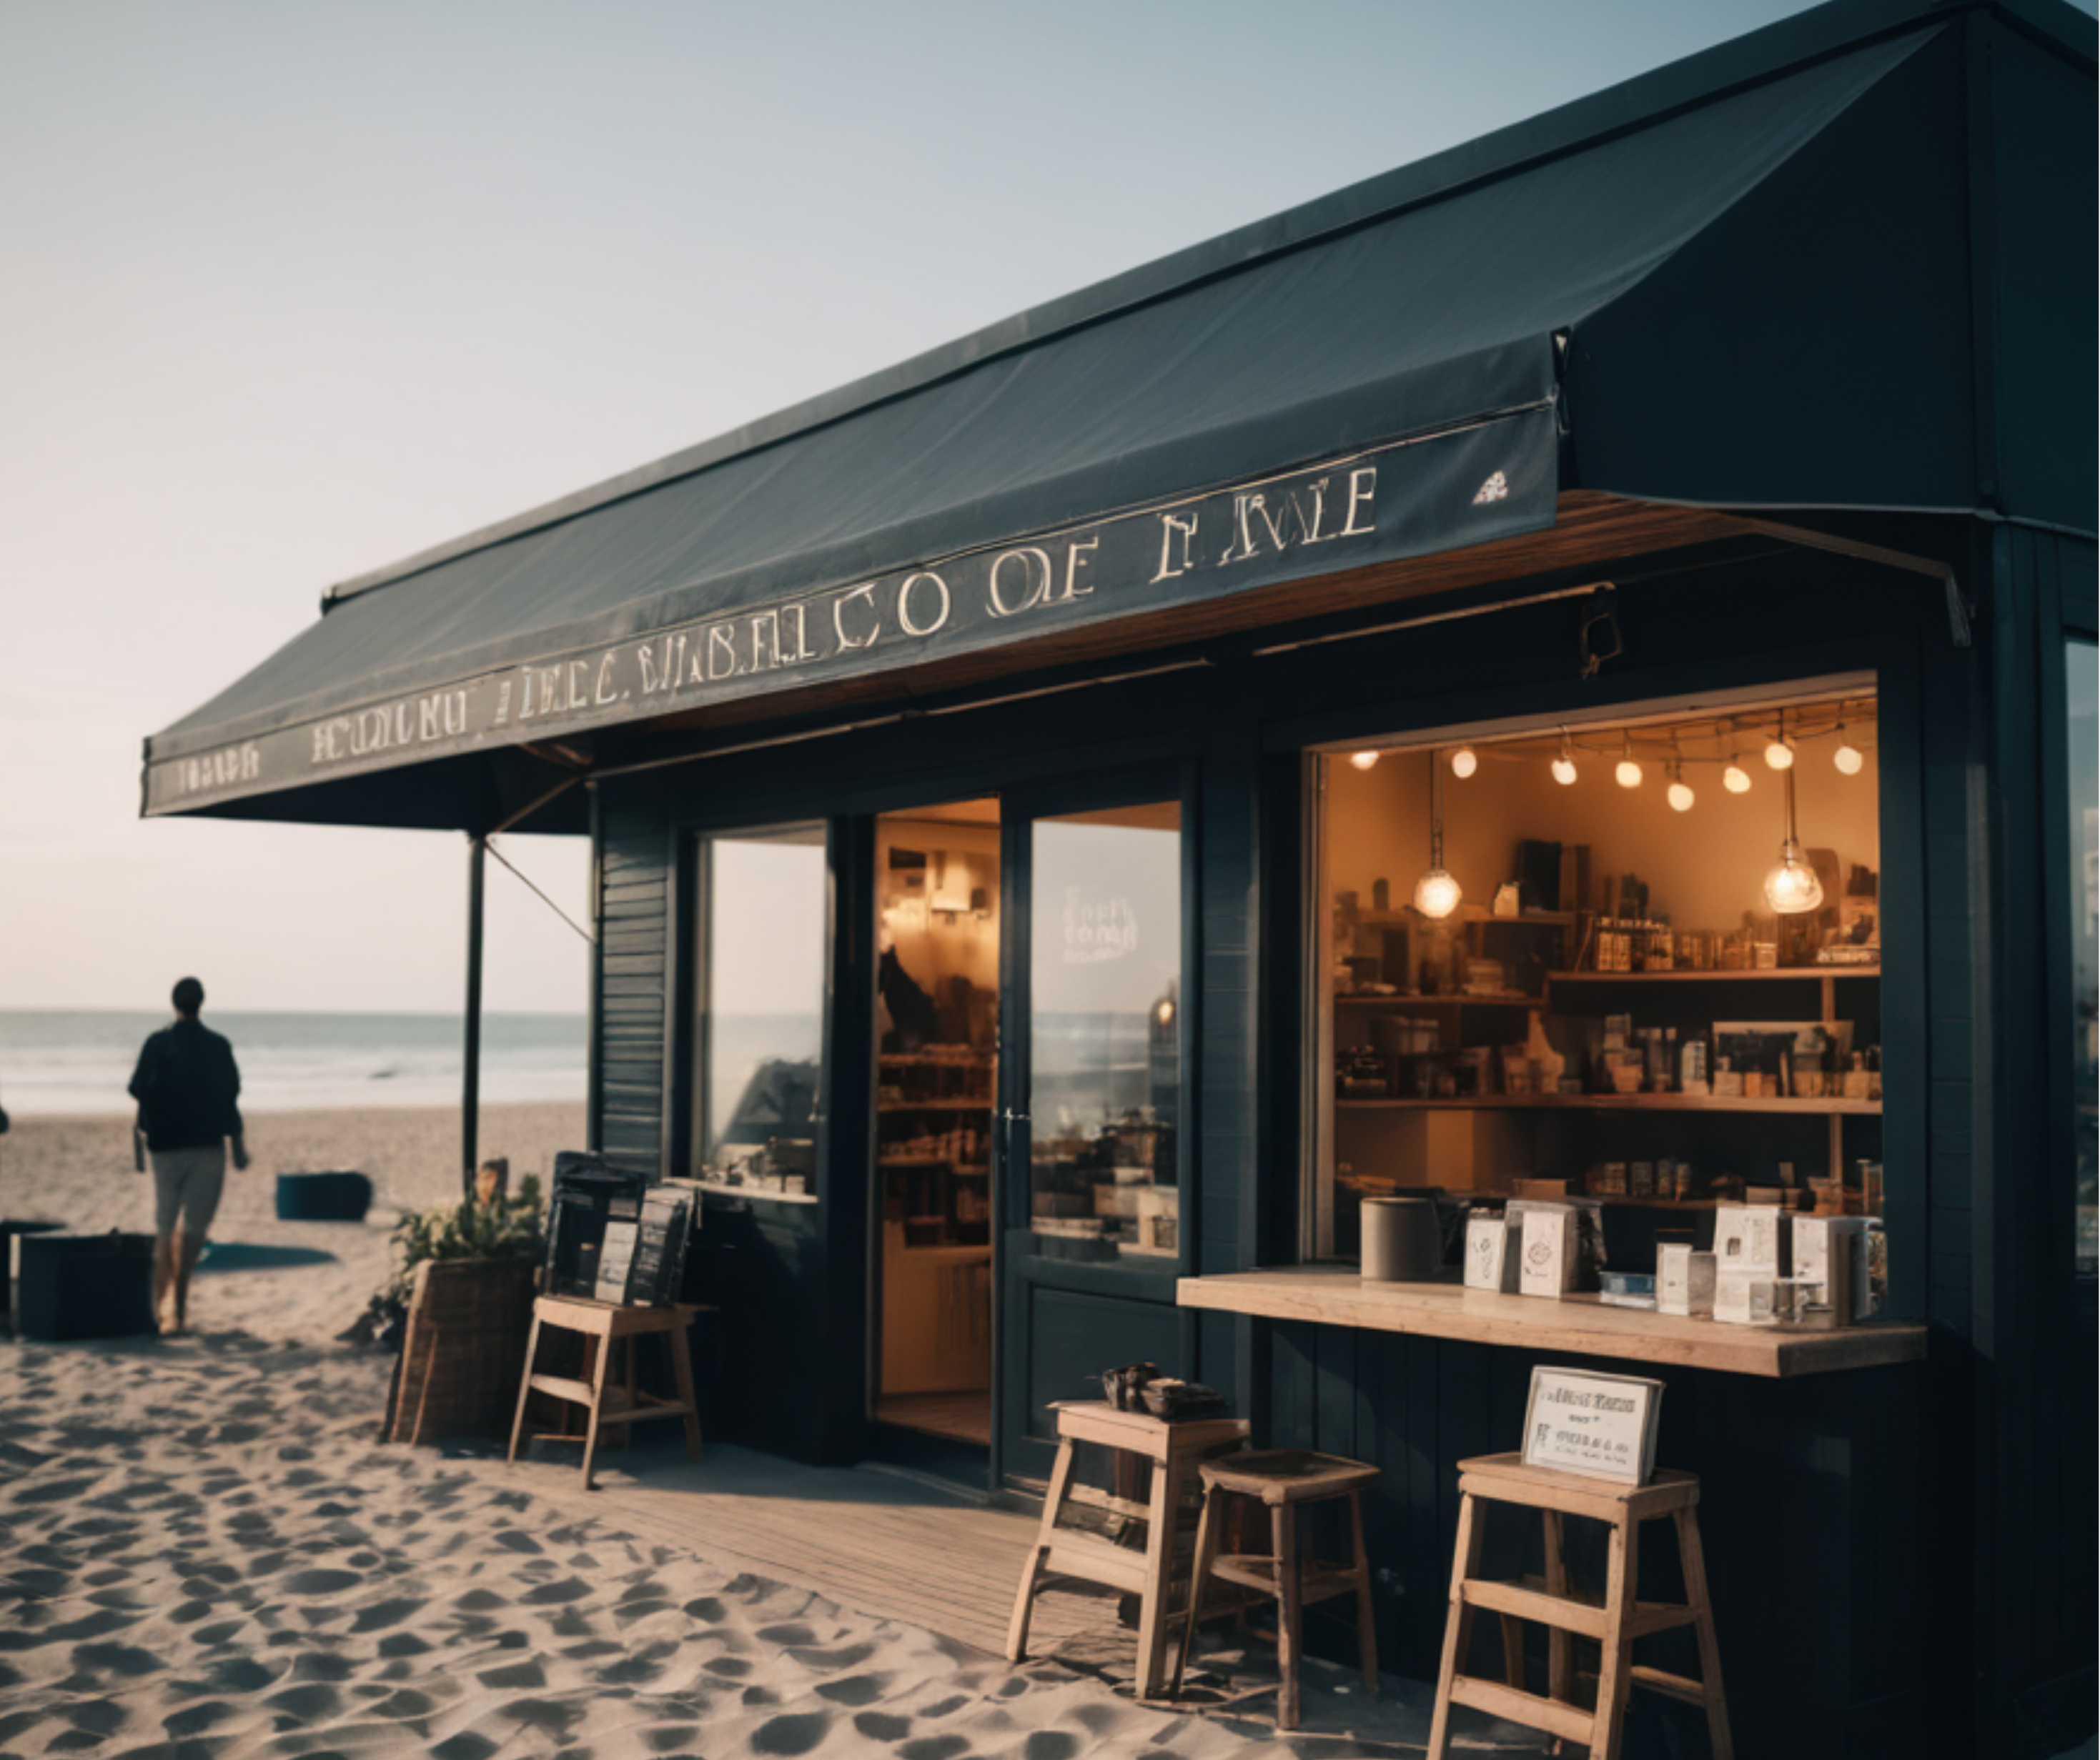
[{"x": 1601, "y": 1425}]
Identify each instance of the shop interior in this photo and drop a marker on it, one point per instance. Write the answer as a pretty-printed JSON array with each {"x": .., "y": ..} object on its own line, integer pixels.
[
  {"x": 936, "y": 1039},
  {"x": 1634, "y": 962}
]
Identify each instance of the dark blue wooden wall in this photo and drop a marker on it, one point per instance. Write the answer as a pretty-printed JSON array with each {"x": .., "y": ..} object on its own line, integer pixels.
[{"x": 635, "y": 877}]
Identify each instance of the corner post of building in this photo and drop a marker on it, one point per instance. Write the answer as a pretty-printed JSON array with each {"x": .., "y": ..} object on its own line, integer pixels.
[
  {"x": 477, "y": 865},
  {"x": 593, "y": 1020}
]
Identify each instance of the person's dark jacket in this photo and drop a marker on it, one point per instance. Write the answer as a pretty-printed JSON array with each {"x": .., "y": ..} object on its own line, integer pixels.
[{"x": 188, "y": 1087}]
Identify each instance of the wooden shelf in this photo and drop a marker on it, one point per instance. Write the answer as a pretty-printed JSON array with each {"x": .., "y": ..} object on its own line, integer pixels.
[
  {"x": 1633, "y": 1102},
  {"x": 1769, "y": 974},
  {"x": 1579, "y": 1326},
  {"x": 1499, "y": 999},
  {"x": 933, "y": 1105}
]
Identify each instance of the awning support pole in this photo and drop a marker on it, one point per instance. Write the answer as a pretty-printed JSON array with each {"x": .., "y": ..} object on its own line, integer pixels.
[{"x": 471, "y": 1076}]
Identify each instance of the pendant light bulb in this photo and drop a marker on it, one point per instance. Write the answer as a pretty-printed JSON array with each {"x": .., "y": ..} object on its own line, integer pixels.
[
  {"x": 1364, "y": 760},
  {"x": 1847, "y": 757},
  {"x": 1564, "y": 766},
  {"x": 1436, "y": 894},
  {"x": 1735, "y": 779},
  {"x": 1792, "y": 888},
  {"x": 1629, "y": 772},
  {"x": 1464, "y": 762},
  {"x": 1681, "y": 796}
]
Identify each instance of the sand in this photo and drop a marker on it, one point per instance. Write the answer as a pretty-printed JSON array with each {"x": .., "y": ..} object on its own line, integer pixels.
[{"x": 204, "y": 1552}]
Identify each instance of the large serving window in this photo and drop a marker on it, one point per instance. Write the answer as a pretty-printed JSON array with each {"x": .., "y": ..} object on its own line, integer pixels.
[
  {"x": 763, "y": 930},
  {"x": 1633, "y": 961}
]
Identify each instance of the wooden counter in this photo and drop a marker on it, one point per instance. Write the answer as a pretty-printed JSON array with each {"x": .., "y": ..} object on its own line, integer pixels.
[{"x": 1580, "y": 1326}]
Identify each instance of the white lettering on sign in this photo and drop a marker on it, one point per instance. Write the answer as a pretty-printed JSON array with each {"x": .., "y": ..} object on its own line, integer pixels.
[
  {"x": 1600, "y": 1424},
  {"x": 1097, "y": 929},
  {"x": 1247, "y": 537}
]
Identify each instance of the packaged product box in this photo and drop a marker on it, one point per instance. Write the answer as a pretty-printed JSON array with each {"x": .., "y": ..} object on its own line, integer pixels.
[
  {"x": 1684, "y": 1281},
  {"x": 1751, "y": 1239},
  {"x": 1823, "y": 1257},
  {"x": 1549, "y": 1264},
  {"x": 1744, "y": 1298},
  {"x": 1494, "y": 1253}
]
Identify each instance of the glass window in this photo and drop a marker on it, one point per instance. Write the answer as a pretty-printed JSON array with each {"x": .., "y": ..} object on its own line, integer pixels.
[
  {"x": 764, "y": 902},
  {"x": 1634, "y": 964},
  {"x": 1105, "y": 1032},
  {"x": 2082, "y": 731}
]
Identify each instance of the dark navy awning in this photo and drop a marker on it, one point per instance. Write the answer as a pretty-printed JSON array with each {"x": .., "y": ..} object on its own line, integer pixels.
[{"x": 1744, "y": 281}]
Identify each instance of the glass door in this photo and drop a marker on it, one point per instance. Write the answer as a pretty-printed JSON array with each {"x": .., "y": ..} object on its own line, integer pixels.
[
  {"x": 1094, "y": 1100},
  {"x": 935, "y": 1038}
]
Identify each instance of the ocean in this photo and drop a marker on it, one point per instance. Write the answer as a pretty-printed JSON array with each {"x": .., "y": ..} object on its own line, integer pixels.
[{"x": 69, "y": 1061}]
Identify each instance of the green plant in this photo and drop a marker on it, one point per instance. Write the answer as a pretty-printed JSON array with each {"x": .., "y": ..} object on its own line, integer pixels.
[{"x": 507, "y": 1228}]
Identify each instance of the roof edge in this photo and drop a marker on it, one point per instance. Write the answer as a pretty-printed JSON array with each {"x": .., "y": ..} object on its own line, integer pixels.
[{"x": 1646, "y": 99}]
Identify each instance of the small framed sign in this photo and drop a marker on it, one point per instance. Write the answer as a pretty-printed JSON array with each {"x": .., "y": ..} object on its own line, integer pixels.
[{"x": 1603, "y": 1425}]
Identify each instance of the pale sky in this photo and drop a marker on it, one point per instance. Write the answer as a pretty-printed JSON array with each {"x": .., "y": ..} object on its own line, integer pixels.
[{"x": 290, "y": 292}]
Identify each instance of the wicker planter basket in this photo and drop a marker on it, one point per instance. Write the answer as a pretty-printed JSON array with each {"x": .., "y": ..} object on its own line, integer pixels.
[{"x": 464, "y": 1349}]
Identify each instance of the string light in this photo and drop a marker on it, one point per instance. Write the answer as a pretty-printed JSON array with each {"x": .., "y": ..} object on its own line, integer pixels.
[
  {"x": 1847, "y": 757},
  {"x": 1564, "y": 766},
  {"x": 1464, "y": 762},
  {"x": 1629, "y": 772},
  {"x": 1364, "y": 760}
]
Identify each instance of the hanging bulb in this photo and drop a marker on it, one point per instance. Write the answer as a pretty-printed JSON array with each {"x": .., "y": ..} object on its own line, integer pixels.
[
  {"x": 1780, "y": 754},
  {"x": 1847, "y": 757},
  {"x": 1464, "y": 762},
  {"x": 1681, "y": 796},
  {"x": 1629, "y": 772},
  {"x": 1364, "y": 760},
  {"x": 1735, "y": 779},
  {"x": 1564, "y": 766},
  {"x": 1436, "y": 894},
  {"x": 1792, "y": 887}
]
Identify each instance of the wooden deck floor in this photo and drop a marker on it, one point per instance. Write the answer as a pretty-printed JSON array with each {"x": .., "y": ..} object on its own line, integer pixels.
[{"x": 881, "y": 1544}]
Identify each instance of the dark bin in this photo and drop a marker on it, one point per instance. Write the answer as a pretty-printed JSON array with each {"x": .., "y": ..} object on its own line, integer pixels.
[
  {"x": 12, "y": 1227},
  {"x": 86, "y": 1286},
  {"x": 322, "y": 1197}
]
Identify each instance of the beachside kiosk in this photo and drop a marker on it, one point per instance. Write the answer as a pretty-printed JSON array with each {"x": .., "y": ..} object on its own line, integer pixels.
[{"x": 1561, "y": 674}]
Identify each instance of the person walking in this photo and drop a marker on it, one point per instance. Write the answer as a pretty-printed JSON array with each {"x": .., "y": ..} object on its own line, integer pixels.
[{"x": 188, "y": 1089}]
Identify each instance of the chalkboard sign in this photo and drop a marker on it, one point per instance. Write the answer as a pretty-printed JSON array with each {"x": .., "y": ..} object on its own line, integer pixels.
[{"x": 1602, "y": 1425}]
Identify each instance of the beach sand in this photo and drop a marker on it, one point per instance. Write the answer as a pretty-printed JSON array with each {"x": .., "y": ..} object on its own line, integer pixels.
[{"x": 205, "y": 1553}]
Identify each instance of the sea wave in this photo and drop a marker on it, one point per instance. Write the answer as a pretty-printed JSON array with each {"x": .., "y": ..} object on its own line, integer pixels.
[{"x": 56, "y": 1061}]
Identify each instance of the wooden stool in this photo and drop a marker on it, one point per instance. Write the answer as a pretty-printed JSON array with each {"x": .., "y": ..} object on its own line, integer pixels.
[
  {"x": 1615, "y": 1622},
  {"x": 1285, "y": 1480},
  {"x": 1175, "y": 1451},
  {"x": 603, "y": 1325}
]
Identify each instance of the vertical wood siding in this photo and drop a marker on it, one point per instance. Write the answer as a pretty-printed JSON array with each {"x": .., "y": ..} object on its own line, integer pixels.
[{"x": 635, "y": 894}]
